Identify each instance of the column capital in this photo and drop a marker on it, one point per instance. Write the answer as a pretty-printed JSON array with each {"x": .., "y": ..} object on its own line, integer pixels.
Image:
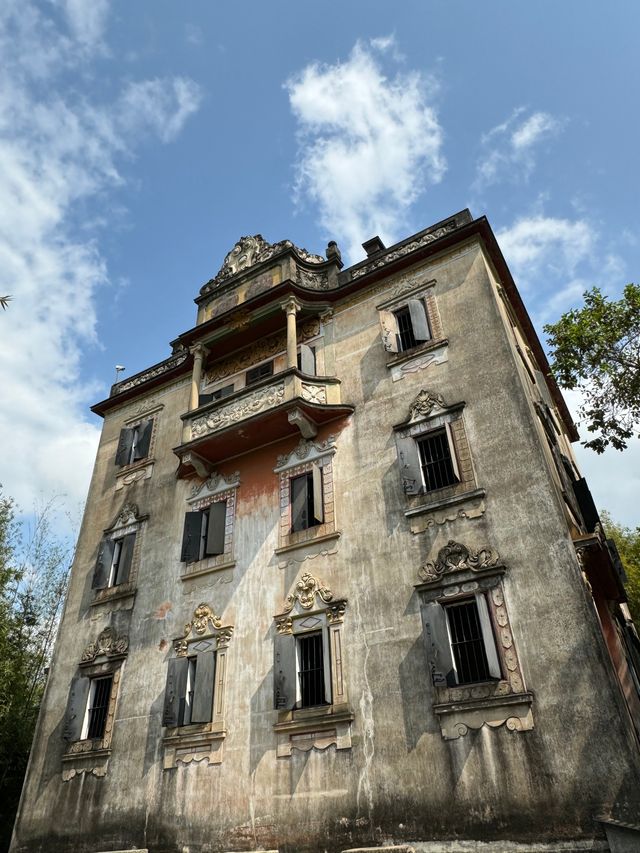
[
  {"x": 198, "y": 350},
  {"x": 291, "y": 305}
]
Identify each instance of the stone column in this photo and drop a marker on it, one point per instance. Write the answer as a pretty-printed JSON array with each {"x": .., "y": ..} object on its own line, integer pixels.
[
  {"x": 198, "y": 355},
  {"x": 291, "y": 308}
]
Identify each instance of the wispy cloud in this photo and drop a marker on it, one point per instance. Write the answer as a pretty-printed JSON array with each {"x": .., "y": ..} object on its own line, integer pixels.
[
  {"x": 508, "y": 151},
  {"x": 370, "y": 142},
  {"x": 58, "y": 148}
]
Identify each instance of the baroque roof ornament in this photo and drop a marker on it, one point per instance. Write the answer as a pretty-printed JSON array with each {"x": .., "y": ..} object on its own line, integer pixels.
[
  {"x": 424, "y": 403},
  {"x": 252, "y": 250},
  {"x": 305, "y": 592},
  {"x": 455, "y": 557}
]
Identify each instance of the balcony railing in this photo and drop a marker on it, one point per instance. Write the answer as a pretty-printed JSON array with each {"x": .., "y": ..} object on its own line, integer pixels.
[{"x": 286, "y": 403}]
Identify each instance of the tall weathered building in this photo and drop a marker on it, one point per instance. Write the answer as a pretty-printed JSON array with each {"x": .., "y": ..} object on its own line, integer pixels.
[{"x": 339, "y": 583}]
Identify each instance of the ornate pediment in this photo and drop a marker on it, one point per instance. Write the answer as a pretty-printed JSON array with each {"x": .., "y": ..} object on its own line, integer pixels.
[
  {"x": 455, "y": 557},
  {"x": 205, "y": 623},
  {"x": 424, "y": 404},
  {"x": 129, "y": 514},
  {"x": 305, "y": 451},
  {"x": 249, "y": 251},
  {"x": 214, "y": 484},
  {"x": 108, "y": 644},
  {"x": 306, "y": 591}
]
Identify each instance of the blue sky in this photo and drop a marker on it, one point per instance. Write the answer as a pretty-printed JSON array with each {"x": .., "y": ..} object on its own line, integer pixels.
[{"x": 140, "y": 141}]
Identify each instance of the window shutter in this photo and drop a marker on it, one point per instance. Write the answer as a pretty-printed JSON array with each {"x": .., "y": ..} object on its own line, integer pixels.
[
  {"x": 318, "y": 505},
  {"x": 410, "y": 470},
  {"x": 299, "y": 519},
  {"x": 487, "y": 636},
  {"x": 216, "y": 528},
  {"x": 125, "y": 443},
  {"x": 307, "y": 360},
  {"x": 419, "y": 321},
  {"x": 175, "y": 691},
  {"x": 144, "y": 440},
  {"x": 452, "y": 450},
  {"x": 389, "y": 330},
  {"x": 103, "y": 564},
  {"x": 191, "y": 537},
  {"x": 284, "y": 672},
  {"x": 126, "y": 556},
  {"x": 436, "y": 638},
  {"x": 202, "y": 708},
  {"x": 76, "y": 708}
]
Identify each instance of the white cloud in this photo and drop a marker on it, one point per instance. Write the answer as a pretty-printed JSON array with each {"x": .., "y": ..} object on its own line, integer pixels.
[
  {"x": 87, "y": 20},
  {"x": 57, "y": 149},
  {"x": 508, "y": 150},
  {"x": 369, "y": 143}
]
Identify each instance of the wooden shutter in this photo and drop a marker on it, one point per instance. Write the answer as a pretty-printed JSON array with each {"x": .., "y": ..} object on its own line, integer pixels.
[
  {"x": 125, "y": 443},
  {"x": 487, "y": 636},
  {"x": 191, "y": 537},
  {"x": 284, "y": 672},
  {"x": 410, "y": 470},
  {"x": 174, "y": 693},
  {"x": 436, "y": 638},
  {"x": 389, "y": 330},
  {"x": 202, "y": 708},
  {"x": 419, "y": 321},
  {"x": 103, "y": 564},
  {"x": 126, "y": 556},
  {"x": 216, "y": 528},
  {"x": 452, "y": 450},
  {"x": 318, "y": 505},
  {"x": 299, "y": 520},
  {"x": 76, "y": 708},
  {"x": 307, "y": 360},
  {"x": 144, "y": 440}
]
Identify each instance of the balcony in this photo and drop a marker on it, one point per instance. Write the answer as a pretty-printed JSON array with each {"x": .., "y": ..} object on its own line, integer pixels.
[{"x": 287, "y": 403}]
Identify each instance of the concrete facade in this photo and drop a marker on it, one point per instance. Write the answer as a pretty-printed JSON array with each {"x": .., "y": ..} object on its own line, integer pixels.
[{"x": 533, "y": 758}]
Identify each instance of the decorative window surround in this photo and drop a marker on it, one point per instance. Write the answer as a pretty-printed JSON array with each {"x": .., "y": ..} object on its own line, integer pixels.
[
  {"x": 215, "y": 488},
  {"x": 311, "y": 606},
  {"x": 202, "y": 741},
  {"x": 104, "y": 656},
  {"x": 429, "y": 413},
  {"x": 459, "y": 573},
  {"x": 301, "y": 460},
  {"x": 129, "y": 520},
  {"x": 143, "y": 468}
]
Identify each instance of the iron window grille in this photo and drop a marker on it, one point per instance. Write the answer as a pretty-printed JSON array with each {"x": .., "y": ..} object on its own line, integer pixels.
[
  {"x": 471, "y": 639},
  {"x": 311, "y": 670},
  {"x": 406, "y": 337},
  {"x": 436, "y": 461},
  {"x": 97, "y": 708}
]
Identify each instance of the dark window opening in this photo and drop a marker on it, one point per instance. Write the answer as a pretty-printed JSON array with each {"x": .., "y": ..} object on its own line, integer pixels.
[
  {"x": 307, "y": 360},
  {"x": 98, "y": 707},
  {"x": 117, "y": 565},
  {"x": 186, "y": 701},
  {"x": 255, "y": 374},
  {"x": 467, "y": 643},
  {"x": 226, "y": 391},
  {"x": 435, "y": 461},
  {"x": 303, "y": 505},
  {"x": 406, "y": 338},
  {"x": 311, "y": 670}
]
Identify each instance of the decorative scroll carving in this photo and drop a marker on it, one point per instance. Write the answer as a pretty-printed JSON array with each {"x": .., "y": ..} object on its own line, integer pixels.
[
  {"x": 108, "y": 644},
  {"x": 263, "y": 398},
  {"x": 312, "y": 280},
  {"x": 249, "y": 251},
  {"x": 157, "y": 370},
  {"x": 407, "y": 248},
  {"x": 304, "y": 449},
  {"x": 305, "y": 592},
  {"x": 128, "y": 515},
  {"x": 314, "y": 393},
  {"x": 336, "y": 611},
  {"x": 424, "y": 403},
  {"x": 204, "y": 622},
  {"x": 215, "y": 483},
  {"x": 284, "y": 625},
  {"x": 455, "y": 557}
]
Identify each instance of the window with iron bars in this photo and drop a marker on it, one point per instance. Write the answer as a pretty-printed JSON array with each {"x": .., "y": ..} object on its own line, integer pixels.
[
  {"x": 435, "y": 461},
  {"x": 311, "y": 674},
  {"x": 472, "y": 643},
  {"x": 97, "y": 708}
]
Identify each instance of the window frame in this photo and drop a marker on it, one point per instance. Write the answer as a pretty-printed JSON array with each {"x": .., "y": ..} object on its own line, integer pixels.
[
  {"x": 215, "y": 489},
  {"x": 90, "y": 708},
  {"x": 429, "y": 435},
  {"x": 418, "y": 306},
  {"x": 141, "y": 431},
  {"x": 255, "y": 374},
  {"x": 487, "y": 637},
  {"x": 126, "y": 535}
]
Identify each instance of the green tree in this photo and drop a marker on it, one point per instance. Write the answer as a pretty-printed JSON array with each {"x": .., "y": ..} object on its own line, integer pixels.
[
  {"x": 627, "y": 540},
  {"x": 33, "y": 579},
  {"x": 596, "y": 349}
]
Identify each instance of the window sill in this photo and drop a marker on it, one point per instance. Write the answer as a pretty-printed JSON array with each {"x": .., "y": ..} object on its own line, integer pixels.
[
  {"x": 194, "y": 743},
  {"x": 206, "y": 567},
  {"x": 313, "y": 728},
  {"x": 114, "y": 593},
  {"x": 408, "y": 354},
  {"x": 440, "y": 510},
  {"x": 471, "y": 711},
  {"x": 85, "y": 756},
  {"x": 140, "y": 470},
  {"x": 309, "y": 540}
]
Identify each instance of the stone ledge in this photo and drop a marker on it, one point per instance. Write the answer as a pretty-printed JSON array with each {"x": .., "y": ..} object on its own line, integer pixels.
[{"x": 590, "y": 845}]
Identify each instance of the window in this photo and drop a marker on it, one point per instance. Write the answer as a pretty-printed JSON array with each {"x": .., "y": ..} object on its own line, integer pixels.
[
  {"x": 255, "y": 374},
  {"x": 471, "y": 639},
  {"x": 437, "y": 460},
  {"x": 113, "y": 566},
  {"x": 188, "y": 697},
  {"x": 134, "y": 443},
  {"x": 311, "y": 671},
  {"x": 306, "y": 500},
  {"x": 302, "y": 665},
  {"x": 204, "y": 532},
  {"x": 95, "y": 719},
  {"x": 218, "y": 394},
  {"x": 307, "y": 360},
  {"x": 406, "y": 326}
]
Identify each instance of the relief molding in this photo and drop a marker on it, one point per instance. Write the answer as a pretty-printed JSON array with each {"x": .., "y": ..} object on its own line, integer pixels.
[
  {"x": 108, "y": 643},
  {"x": 257, "y": 401},
  {"x": 205, "y": 623},
  {"x": 305, "y": 592},
  {"x": 455, "y": 557},
  {"x": 305, "y": 451}
]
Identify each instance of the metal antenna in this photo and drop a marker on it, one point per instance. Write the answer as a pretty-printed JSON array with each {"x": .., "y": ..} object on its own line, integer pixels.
[{"x": 119, "y": 369}]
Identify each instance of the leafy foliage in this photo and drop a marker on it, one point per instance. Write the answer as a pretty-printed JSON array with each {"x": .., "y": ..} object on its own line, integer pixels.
[
  {"x": 33, "y": 581},
  {"x": 627, "y": 540},
  {"x": 596, "y": 348}
]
